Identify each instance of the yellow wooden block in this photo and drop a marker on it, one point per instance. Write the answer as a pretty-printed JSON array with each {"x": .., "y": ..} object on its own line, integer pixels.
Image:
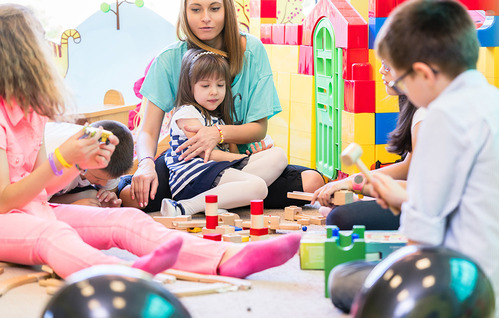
[
  {"x": 254, "y": 27},
  {"x": 358, "y": 128},
  {"x": 376, "y": 64},
  {"x": 280, "y": 134},
  {"x": 385, "y": 103},
  {"x": 302, "y": 117},
  {"x": 302, "y": 146},
  {"x": 367, "y": 157},
  {"x": 284, "y": 58},
  {"x": 302, "y": 88},
  {"x": 268, "y": 48},
  {"x": 383, "y": 155}
]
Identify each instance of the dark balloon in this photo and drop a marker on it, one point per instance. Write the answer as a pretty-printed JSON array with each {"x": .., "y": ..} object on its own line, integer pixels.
[
  {"x": 113, "y": 291},
  {"x": 425, "y": 282}
]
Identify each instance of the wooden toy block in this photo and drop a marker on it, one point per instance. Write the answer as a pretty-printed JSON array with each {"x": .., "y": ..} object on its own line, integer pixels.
[
  {"x": 183, "y": 225},
  {"x": 232, "y": 237},
  {"x": 167, "y": 221},
  {"x": 342, "y": 197},
  {"x": 244, "y": 232},
  {"x": 208, "y": 231},
  {"x": 278, "y": 33},
  {"x": 291, "y": 211},
  {"x": 352, "y": 56},
  {"x": 318, "y": 220},
  {"x": 246, "y": 224},
  {"x": 272, "y": 221},
  {"x": 357, "y": 127},
  {"x": 47, "y": 269},
  {"x": 211, "y": 221},
  {"x": 306, "y": 60},
  {"x": 384, "y": 124},
  {"x": 339, "y": 249},
  {"x": 51, "y": 282},
  {"x": 312, "y": 252},
  {"x": 245, "y": 239},
  {"x": 224, "y": 229},
  {"x": 293, "y": 34},
  {"x": 259, "y": 232},
  {"x": 14, "y": 282},
  {"x": 289, "y": 226},
  {"x": 382, "y": 155},
  {"x": 228, "y": 218},
  {"x": 385, "y": 103},
  {"x": 285, "y": 58},
  {"x": 301, "y": 217},
  {"x": 359, "y": 96},
  {"x": 164, "y": 278},
  {"x": 194, "y": 229},
  {"x": 241, "y": 284},
  {"x": 259, "y": 237},
  {"x": 266, "y": 33},
  {"x": 304, "y": 221},
  {"x": 183, "y": 218},
  {"x": 213, "y": 236},
  {"x": 238, "y": 223}
]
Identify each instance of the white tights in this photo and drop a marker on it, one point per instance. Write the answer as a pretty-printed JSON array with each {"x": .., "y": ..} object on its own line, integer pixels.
[{"x": 238, "y": 187}]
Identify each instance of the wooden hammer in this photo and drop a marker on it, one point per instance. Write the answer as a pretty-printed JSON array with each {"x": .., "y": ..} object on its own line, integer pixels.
[{"x": 350, "y": 156}]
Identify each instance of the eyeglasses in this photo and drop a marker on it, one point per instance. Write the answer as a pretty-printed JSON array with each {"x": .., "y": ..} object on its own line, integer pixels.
[
  {"x": 385, "y": 67},
  {"x": 399, "y": 86}
]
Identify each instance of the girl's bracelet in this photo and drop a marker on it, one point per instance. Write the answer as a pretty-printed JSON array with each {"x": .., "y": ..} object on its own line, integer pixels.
[
  {"x": 61, "y": 159},
  {"x": 148, "y": 157},
  {"x": 221, "y": 134},
  {"x": 53, "y": 166}
]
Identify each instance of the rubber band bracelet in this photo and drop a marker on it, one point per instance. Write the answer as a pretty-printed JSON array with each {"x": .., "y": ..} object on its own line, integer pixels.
[
  {"x": 148, "y": 157},
  {"x": 52, "y": 165},
  {"x": 221, "y": 134},
  {"x": 61, "y": 159}
]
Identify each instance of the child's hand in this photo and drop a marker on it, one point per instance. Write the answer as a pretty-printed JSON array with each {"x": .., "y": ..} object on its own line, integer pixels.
[
  {"x": 388, "y": 193},
  {"x": 108, "y": 199},
  {"x": 255, "y": 147},
  {"x": 88, "y": 152}
]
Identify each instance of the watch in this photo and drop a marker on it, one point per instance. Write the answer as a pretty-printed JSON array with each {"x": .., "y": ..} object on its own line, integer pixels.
[{"x": 358, "y": 182}]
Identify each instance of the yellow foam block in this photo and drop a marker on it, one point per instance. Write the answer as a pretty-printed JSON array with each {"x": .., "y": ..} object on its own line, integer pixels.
[
  {"x": 385, "y": 103},
  {"x": 376, "y": 64},
  {"x": 254, "y": 27},
  {"x": 302, "y": 117},
  {"x": 362, "y": 6},
  {"x": 302, "y": 88},
  {"x": 367, "y": 157},
  {"x": 284, "y": 58},
  {"x": 268, "y": 48},
  {"x": 280, "y": 134},
  {"x": 301, "y": 162},
  {"x": 302, "y": 146},
  {"x": 383, "y": 155},
  {"x": 268, "y": 20},
  {"x": 282, "y": 82},
  {"x": 488, "y": 61},
  {"x": 358, "y": 128},
  {"x": 493, "y": 81}
]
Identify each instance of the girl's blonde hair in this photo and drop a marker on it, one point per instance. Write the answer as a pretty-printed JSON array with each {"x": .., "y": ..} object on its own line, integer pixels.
[
  {"x": 28, "y": 77},
  {"x": 233, "y": 48},
  {"x": 198, "y": 65}
]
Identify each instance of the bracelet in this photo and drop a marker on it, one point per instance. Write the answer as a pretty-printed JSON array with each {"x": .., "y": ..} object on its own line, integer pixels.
[
  {"x": 82, "y": 171},
  {"x": 52, "y": 165},
  {"x": 148, "y": 157},
  {"x": 61, "y": 159},
  {"x": 221, "y": 134}
]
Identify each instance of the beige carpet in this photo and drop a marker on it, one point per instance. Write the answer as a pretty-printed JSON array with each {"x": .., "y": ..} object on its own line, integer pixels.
[{"x": 285, "y": 291}]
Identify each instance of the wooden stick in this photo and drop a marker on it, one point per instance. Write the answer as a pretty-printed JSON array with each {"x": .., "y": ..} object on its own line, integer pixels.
[
  {"x": 203, "y": 290},
  {"x": 194, "y": 277},
  {"x": 8, "y": 284}
]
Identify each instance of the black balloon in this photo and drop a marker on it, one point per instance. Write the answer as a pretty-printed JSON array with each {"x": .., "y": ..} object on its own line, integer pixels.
[
  {"x": 425, "y": 282},
  {"x": 112, "y": 292}
]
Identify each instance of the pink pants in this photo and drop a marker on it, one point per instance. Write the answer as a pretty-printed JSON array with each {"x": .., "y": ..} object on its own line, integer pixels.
[{"x": 72, "y": 238}]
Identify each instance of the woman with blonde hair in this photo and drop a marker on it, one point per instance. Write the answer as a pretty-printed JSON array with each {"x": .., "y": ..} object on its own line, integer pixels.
[{"x": 211, "y": 25}]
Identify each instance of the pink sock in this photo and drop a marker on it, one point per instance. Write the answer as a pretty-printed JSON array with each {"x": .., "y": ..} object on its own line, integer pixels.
[
  {"x": 261, "y": 255},
  {"x": 161, "y": 258}
]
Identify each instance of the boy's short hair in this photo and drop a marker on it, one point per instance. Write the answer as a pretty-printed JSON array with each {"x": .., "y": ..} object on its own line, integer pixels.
[
  {"x": 438, "y": 32},
  {"x": 122, "y": 157}
]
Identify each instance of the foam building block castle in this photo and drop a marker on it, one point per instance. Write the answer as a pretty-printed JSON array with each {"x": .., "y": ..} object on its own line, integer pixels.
[{"x": 326, "y": 75}]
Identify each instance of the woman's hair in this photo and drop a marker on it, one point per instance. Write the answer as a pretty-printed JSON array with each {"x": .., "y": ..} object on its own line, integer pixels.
[
  {"x": 401, "y": 137},
  {"x": 28, "y": 76},
  {"x": 198, "y": 65},
  {"x": 230, "y": 33}
]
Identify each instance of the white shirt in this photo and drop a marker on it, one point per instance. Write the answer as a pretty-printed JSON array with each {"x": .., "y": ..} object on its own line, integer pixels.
[{"x": 453, "y": 182}]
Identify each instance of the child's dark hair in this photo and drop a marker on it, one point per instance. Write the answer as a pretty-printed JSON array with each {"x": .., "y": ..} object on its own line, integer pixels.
[
  {"x": 401, "y": 137},
  {"x": 122, "y": 158},
  {"x": 198, "y": 65},
  {"x": 438, "y": 32}
]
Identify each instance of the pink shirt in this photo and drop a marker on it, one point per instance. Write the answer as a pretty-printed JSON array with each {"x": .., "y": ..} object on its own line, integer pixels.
[{"x": 21, "y": 137}]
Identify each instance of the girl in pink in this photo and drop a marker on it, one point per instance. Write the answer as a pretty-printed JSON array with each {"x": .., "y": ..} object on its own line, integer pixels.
[{"x": 70, "y": 237}]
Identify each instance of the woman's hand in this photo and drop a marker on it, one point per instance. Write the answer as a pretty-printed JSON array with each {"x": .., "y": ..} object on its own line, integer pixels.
[
  {"x": 324, "y": 193},
  {"x": 144, "y": 183},
  {"x": 205, "y": 140},
  {"x": 255, "y": 147},
  {"x": 88, "y": 152},
  {"x": 388, "y": 193}
]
